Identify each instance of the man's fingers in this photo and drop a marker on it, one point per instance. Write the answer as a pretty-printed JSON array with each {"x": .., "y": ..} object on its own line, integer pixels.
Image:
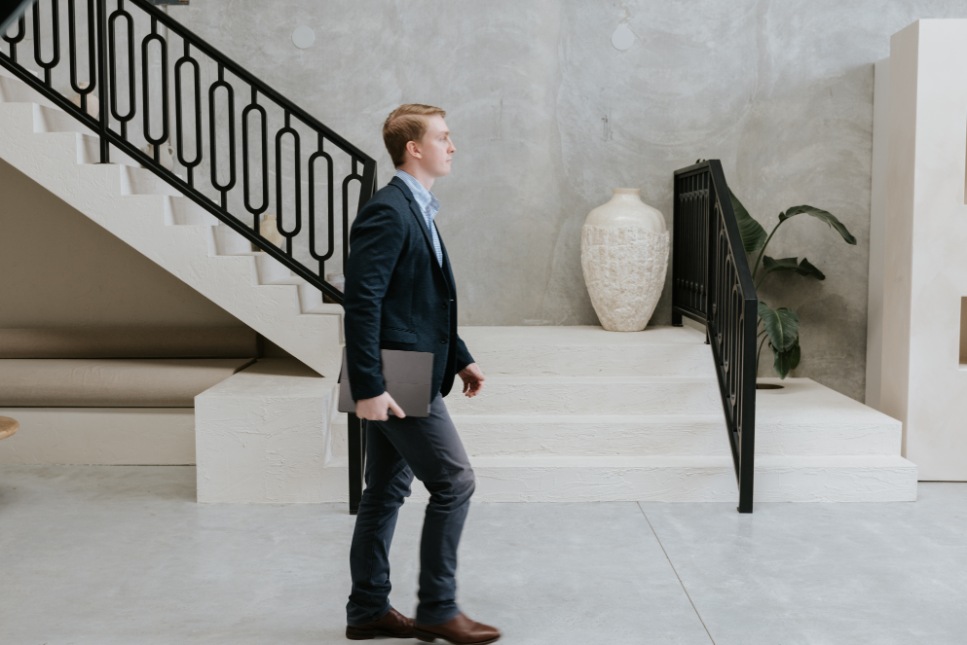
[{"x": 397, "y": 410}]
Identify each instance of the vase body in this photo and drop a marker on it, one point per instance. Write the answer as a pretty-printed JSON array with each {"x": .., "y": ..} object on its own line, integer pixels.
[{"x": 624, "y": 255}]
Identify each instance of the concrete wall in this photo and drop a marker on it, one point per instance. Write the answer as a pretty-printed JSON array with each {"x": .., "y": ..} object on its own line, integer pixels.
[
  {"x": 548, "y": 115},
  {"x": 61, "y": 269}
]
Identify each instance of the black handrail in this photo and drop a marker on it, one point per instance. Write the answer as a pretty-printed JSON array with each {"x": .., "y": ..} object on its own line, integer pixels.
[
  {"x": 712, "y": 284},
  {"x": 130, "y": 66},
  {"x": 126, "y": 83}
]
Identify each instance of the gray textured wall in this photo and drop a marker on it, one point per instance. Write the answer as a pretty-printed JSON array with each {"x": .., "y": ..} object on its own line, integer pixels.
[{"x": 548, "y": 116}]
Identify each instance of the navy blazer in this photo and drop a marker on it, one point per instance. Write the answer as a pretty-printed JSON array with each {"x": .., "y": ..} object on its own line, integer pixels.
[{"x": 397, "y": 295}]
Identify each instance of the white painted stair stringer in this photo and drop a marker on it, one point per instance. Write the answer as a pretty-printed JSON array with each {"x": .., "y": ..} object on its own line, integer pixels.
[{"x": 169, "y": 230}]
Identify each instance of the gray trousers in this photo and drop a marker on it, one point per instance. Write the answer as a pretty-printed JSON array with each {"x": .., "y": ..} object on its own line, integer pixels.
[{"x": 396, "y": 450}]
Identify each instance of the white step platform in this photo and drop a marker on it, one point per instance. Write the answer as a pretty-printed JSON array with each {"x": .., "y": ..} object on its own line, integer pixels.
[{"x": 580, "y": 414}]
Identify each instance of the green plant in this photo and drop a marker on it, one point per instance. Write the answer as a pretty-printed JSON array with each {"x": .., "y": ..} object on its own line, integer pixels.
[{"x": 780, "y": 327}]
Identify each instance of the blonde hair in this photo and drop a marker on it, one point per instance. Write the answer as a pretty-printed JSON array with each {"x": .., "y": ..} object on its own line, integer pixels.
[{"x": 404, "y": 124}]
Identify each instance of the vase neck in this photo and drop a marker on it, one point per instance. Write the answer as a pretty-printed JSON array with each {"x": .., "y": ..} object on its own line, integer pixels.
[{"x": 629, "y": 192}]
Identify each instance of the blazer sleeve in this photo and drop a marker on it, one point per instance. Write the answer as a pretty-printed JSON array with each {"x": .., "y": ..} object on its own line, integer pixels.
[
  {"x": 463, "y": 355},
  {"x": 376, "y": 242}
]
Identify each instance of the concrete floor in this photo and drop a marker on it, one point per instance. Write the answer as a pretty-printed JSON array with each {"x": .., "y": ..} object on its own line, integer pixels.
[{"x": 123, "y": 555}]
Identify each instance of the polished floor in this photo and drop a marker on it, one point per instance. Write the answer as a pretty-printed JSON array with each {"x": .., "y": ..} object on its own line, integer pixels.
[{"x": 123, "y": 555}]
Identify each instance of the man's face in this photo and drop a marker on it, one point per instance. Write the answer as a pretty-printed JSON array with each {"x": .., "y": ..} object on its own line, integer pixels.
[{"x": 435, "y": 149}]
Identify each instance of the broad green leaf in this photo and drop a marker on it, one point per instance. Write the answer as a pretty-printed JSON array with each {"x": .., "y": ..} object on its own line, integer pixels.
[
  {"x": 821, "y": 215},
  {"x": 753, "y": 235},
  {"x": 804, "y": 268},
  {"x": 782, "y": 326},
  {"x": 786, "y": 361}
]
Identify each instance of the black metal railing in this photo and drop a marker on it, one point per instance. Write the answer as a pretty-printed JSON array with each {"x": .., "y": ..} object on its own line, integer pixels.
[
  {"x": 158, "y": 93},
  {"x": 712, "y": 284}
]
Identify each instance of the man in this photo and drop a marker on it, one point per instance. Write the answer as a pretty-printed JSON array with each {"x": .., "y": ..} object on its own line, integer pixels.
[{"x": 400, "y": 294}]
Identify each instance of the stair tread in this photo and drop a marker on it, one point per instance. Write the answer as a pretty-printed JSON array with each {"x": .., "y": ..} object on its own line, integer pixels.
[
  {"x": 678, "y": 461},
  {"x": 557, "y": 336},
  {"x": 524, "y": 378},
  {"x": 566, "y": 421}
]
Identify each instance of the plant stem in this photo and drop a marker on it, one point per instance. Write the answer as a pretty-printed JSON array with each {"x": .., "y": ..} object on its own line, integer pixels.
[
  {"x": 758, "y": 353},
  {"x": 762, "y": 251}
]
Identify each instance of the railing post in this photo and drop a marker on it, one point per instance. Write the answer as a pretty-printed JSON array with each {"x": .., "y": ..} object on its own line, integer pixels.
[
  {"x": 720, "y": 294},
  {"x": 102, "y": 89}
]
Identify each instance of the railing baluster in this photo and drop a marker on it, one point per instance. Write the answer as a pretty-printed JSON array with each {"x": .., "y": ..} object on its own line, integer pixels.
[
  {"x": 254, "y": 107},
  {"x": 190, "y": 163},
  {"x": 330, "y": 232},
  {"x": 47, "y": 65},
  {"x": 280, "y": 213},
  {"x": 123, "y": 117},
  {"x": 146, "y": 42},
  {"x": 213, "y": 129},
  {"x": 86, "y": 90},
  {"x": 15, "y": 39}
]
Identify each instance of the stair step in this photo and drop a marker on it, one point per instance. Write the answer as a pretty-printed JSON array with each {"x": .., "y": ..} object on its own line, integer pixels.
[
  {"x": 686, "y": 479},
  {"x": 805, "y": 417},
  {"x": 591, "y": 395},
  {"x": 683, "y": 435},
  {"x": 591, "y": 435},
  {"x": 141, "y": 181},
  {"x": 183, "y": 211},
  {"x": 54, "y": 119},
  {"x": 13, "y": 90},
  {"x": 589, "y": 351}
]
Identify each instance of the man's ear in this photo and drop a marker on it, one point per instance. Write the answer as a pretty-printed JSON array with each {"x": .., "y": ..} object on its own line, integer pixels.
[{"x": 413, "y": 147}]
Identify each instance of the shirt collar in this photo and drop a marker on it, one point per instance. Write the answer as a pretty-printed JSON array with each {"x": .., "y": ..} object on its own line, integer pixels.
[{"x": 428, "y": 204}]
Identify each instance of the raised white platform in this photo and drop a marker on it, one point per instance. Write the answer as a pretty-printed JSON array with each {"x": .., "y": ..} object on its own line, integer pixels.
[
  {"x": 261, "y": 437},
  {"x": 581, "y": 414}
]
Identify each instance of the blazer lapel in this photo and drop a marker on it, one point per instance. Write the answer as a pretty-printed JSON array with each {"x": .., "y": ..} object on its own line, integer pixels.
[{"x": 415, "y": 210}]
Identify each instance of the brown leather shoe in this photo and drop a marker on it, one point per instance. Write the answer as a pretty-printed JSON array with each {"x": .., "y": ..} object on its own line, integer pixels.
[
  {"x": 459, "y": 631},
  {"x": 393, "y": 624}
]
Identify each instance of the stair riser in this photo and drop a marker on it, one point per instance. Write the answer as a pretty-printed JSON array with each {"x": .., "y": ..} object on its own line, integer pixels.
[
  {"x": 14, "y": 91},
  {"x": 674, "y": 483},
  {"x": 509, "y": 396},
  {"x": 828, "y": 438},
  {"x": 539, "y": 436},
  {"x": 656, "y": 360},
  {"x": 519, "y": 437}
]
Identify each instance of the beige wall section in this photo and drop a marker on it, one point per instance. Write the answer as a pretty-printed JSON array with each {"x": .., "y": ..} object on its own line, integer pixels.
[
  {"x": 923, "y": 382},
  {"x": 58, "y": 268}
]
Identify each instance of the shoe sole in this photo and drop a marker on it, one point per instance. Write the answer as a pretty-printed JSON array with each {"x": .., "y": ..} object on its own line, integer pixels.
[
  {"x": 427, "y": 637},
  {"x": 355, "y": 634}
]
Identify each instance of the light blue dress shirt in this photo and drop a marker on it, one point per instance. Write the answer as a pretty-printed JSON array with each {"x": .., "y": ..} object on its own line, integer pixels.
[{"x": 429, "y": 207}]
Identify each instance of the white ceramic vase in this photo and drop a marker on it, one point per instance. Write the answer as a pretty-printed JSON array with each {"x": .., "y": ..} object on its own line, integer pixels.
[{"x": 624, "y": 255}]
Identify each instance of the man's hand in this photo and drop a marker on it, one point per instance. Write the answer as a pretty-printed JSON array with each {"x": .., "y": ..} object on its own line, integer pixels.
[
  {"x": 473, "y": 379},
  {"x": 377, "y": 408}
]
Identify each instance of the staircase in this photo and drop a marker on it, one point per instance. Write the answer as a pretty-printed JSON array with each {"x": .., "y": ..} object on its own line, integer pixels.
[
  {"x": 581, "y": 414},
  {"x": 132, "y": 203}
]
